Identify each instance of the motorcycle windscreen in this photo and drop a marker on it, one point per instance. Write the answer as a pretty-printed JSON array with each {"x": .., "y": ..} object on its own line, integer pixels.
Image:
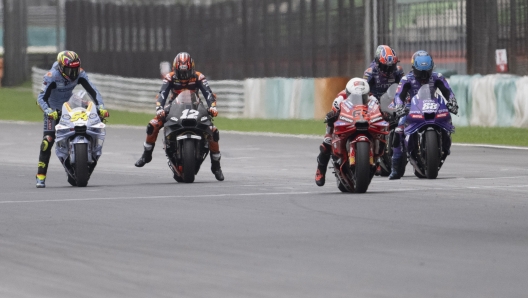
[
  {"x": 358, "y": 99},
  {"x": 424, "y": 93},
  {"x": 186, "y": 97},
  {"x": 387, "y": 99},
  {"x": 77, "y": 100}
]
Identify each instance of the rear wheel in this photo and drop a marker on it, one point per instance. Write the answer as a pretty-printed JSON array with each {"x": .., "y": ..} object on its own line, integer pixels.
[
  {"x": 189, "y": 161},
  {"x": 340, "y": 186},
  {"x": 72, "y": 181},
  {"x": 432, "y": 154},
  {"x": 362, "y": 167},
  {"x": 81, "y": 165},
  {"x": 386, "y": 160}
]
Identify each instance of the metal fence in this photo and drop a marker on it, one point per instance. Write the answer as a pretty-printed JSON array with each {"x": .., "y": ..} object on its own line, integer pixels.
[
  {"x": 229, "y": 40},
  {"x": 438, "y": 27},
  {"x": 497, "y": 24}
]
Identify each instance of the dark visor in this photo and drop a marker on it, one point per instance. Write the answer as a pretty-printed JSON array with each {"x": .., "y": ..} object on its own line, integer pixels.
[
  {"x": 387, "y": 68},
  {"x": 71, "y": 72}
]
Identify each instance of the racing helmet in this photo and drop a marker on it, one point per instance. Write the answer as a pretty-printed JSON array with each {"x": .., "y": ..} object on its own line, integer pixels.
[
  {"x": 422, "y": 66},
  {"x": 183, "y": 66},
  {"x": 358, "y": 86},
  {"x": 386, "y": 60},
  {"x": 69, "y": 64}
]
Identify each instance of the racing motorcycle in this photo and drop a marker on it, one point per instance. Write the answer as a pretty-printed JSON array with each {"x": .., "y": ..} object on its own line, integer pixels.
[
  {"x": 387, "y": 106},
  {"x": 428, "y": 130},
  {"x": 80, "y": 135},
  {"x": 357, "y": 142},
  {"x": 187, "y": 129}
]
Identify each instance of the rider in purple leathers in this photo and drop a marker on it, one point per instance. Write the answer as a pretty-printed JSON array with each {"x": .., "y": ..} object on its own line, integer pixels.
[
  {"x": 383, "y": 71},
  {"x": 422, "y": 73}
]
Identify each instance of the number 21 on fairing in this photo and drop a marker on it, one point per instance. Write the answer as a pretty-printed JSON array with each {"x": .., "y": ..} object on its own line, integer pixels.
[{"x": 189, "y": 113}]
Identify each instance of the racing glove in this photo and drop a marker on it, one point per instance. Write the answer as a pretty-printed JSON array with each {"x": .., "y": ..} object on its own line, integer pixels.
[
  {"x": 401, "y": 110},
  {"x": 160, "y": 112},
  {"x": 52, "y": 114},
  {"x": 330, "y": 118},
  {"x": 452, "y": 106},
  {"x": 103, "y": 113},
  {"x": 213, "y": 111}
]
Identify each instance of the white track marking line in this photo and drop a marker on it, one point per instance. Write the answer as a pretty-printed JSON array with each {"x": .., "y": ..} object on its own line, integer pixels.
[
  {"x": 256, "y": 194},
  {"x": 157, "y": 197}
]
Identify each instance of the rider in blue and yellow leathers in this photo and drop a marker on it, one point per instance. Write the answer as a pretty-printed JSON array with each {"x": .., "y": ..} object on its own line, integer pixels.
[{"x": 57, "y": 88}]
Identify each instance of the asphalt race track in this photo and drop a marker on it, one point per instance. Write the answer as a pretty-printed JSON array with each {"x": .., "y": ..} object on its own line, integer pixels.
[{"x": 266, "y": 231}]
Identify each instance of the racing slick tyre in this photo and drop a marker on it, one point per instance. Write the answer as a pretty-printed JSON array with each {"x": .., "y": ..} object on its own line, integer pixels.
[
  {"x": 82, "y": 173},
  {"x": 189, "y": 161},
  {"x": 432, "y": 154},
  {"x": 362, "y": 174}
]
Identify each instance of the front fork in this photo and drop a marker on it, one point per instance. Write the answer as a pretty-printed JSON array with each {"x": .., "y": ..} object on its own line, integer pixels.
[{"x": 351, "y": 148}]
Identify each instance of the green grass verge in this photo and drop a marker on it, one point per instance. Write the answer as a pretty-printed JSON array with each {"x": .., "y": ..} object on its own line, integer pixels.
[{"x": 17, "y": 99}]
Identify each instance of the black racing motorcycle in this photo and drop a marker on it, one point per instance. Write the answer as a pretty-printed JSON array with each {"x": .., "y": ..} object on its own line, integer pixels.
[{"x": 187, "y": 128}]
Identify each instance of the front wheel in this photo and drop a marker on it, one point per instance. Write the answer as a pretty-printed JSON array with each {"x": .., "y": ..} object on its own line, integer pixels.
[
  {"x": 362, "y": 167},
  {"x": 432, "y": 154},
  {"x": 81, "y": 164},
  {"x": 189, "y": 161}
]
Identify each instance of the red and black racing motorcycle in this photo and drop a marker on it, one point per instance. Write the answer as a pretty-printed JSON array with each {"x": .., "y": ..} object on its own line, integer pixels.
[{"x": 358, "y": 141}]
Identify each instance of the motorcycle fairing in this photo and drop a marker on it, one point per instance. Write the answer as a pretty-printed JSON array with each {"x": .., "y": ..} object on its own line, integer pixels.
[{"x": 427, "y": 110}]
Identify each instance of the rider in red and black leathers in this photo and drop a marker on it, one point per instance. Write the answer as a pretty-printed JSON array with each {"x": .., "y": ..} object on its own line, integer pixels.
[
  {"x": 381, "y": 73},
  {"x": 183, "y": 77}
]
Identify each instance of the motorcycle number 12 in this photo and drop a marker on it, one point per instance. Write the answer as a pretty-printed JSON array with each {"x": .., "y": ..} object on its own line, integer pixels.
[{"x": 189, "y": 113}]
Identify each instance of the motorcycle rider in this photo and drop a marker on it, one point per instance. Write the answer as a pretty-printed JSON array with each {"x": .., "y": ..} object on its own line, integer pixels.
[
  {"x": 183, "y": 77},
  {"x": 421, "y": 74},
  {"x": 354, "y": 86},
  {"x": 57, "y": 88},
  {"x": 383, "y": 71}
]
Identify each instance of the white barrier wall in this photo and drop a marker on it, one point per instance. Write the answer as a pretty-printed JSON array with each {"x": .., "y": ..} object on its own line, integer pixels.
[
  {"x": 139, "y": 95},
  {"x": 491, "y": 100}
]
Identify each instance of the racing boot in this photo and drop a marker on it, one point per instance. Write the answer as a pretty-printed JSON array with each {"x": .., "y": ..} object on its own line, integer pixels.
[
  {"x": 41, "y": 181},
  {"x": 395, "y": 168},
  {"x": 147, "y": 155},
  {"x": 215, "y": 166},
  {"x": 322, "y": 164}
]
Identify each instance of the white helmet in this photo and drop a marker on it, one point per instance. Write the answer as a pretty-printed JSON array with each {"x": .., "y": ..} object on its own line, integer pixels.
[{"x": 357, "y": 86}]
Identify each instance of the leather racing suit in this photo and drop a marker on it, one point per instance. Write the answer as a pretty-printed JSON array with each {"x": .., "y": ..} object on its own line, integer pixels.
[
  {"x": 55, "y": 91},
  {"x": 407, "y": 89},
  {"x": 173, "y": 86}
]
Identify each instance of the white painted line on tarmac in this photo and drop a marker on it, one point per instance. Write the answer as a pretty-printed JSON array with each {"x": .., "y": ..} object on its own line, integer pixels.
[
  {"x": 258, "y": 194},
  {"x": 490, "y": 146},
  {"x": 159, "y": 197}
]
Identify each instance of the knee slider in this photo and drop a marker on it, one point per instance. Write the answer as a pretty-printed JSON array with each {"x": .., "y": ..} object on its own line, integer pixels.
[
  {"x": 216, "y": 135},
  {"x": 150, "y": 129},
  {"x": 46, "y": 144}
]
